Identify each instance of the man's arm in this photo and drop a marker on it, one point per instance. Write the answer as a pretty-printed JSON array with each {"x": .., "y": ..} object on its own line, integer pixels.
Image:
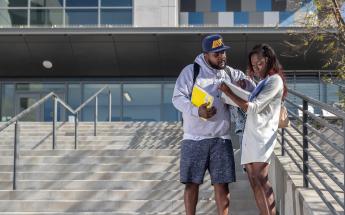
[
  {"x": 182, "y": 92},
  {"x": 239, "y": 78}
]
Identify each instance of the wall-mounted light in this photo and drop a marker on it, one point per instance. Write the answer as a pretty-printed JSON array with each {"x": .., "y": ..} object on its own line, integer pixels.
[
  {"x": 127, "y": 96},
  {"x": 47, "y": 64}
]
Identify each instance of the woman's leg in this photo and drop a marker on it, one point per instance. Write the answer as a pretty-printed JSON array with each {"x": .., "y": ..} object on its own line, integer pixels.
[{"x": 263, "y": 192}]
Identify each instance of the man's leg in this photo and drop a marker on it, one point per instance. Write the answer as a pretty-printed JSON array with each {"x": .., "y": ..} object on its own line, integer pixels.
[
  {"x": 191, "y": 193},
  {"x": 193, "y": 165},
  {"x": 222, "y": 172},
  {"x": 222, "y": 197}
]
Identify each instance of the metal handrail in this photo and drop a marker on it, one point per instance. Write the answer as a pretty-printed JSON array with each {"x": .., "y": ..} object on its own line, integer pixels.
[
  {"x": 306, "y": 155},
  {"x": 56, "y": 100}
]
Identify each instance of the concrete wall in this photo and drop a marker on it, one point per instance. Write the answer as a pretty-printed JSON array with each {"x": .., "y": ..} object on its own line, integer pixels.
[
  {"x": 155, "y": 13},
  {"x": 291, "y": 197}
]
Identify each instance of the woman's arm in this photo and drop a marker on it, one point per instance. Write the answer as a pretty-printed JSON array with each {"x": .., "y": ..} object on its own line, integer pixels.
[{"x": 240, "y": 102}]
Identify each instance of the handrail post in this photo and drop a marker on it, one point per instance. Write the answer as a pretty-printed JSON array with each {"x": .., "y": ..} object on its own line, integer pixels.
[
  {"x": 54, "y": 121},
  {"x": 76, "y": 130},
  {"x": 305, "y": 143},
  {"x": 283, "y": 142},
  {"x": 15, "y": 153},
  {"x": 109, "y": 94},
  {"x": 96, "y": 117}
]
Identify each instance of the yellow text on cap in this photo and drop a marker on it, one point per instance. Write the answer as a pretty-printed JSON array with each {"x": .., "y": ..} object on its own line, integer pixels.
[{"x": 217, "y": 43}]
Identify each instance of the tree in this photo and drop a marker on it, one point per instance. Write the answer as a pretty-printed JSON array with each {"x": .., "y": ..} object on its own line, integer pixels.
[{"x": 325, "y": 29}]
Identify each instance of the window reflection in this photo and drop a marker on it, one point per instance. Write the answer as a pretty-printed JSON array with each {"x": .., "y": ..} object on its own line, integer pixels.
[
  {"x": 46, "y": 3},
  {"x": 141, "y": 102},
  {"x": 17, "y": 3},
  {"x": 81, "y": 17},
  {"x": 7, "y": 102},
  {"x": 103, "y": 102},
  {"x": 116, "y": 16},
  {"x": 46, "y": 17},
  {"x": 116, "y": 3},
  {"x": 14, "y": 17},
  {"x": 169, "y": 111},
  {"x": 81, "y": 3}
]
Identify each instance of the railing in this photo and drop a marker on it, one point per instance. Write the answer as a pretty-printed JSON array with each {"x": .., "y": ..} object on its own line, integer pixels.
[
  {"x": 56, "y": 100},
  {"x": 311, "y": 156}
]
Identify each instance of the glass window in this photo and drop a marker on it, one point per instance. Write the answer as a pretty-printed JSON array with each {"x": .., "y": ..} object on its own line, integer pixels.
[
  {"x": 74, "y": 95},
  {"x": 263, "y": 5},
  {"x": 5, "y": 18},
  {"x": 196, "y": 18},
  {"x": 218, "y": 5},
  {"x": 333, "y": 93},
  {"x": 286, "y": 19},
  {"x": 7, "y": 102},
  {"x": 27, "y": 87},
  {"x": 46, "y": 3},
  {"x": 115, "y": 102},
  {"x": 103, "y": 102},
  {"x": 18, "y": 3},
  {"x": 141, "y": 102},
  {"x": 54, "y": 87},
  {"x": 81, "y": 17},
  {"x": 241, "y": 18},
  {"x": 48, "y": 111},
  {"x": 81, "y": 3},
  {"x": 116, "y": 16},
  {"x": 187, "y": 5},
  {"x": 170, "y": 113},
  {"x": 116, "y": 3},
  {"x": 18, "y": 17},
  {"x": 309, "y": 86},
  {"x": 46, "y": 17}
]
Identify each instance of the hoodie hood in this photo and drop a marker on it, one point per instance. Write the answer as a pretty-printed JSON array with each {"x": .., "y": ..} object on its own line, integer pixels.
[{"x": 200, "y": 59}]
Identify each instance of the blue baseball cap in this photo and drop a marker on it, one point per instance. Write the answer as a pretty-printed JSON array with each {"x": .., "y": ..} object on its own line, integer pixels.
[{"x": 213, "y": 43}]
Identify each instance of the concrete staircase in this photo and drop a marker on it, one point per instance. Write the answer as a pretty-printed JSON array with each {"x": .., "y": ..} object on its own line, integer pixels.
[{"x": 128, "y": 168}]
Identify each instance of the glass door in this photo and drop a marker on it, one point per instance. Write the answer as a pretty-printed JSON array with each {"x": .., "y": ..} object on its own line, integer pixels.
[
  {"x": 25, "y": 100},
  {"x": 48, "y": 109}
]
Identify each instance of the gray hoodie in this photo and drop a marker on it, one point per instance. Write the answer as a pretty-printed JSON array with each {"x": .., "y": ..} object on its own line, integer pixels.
[{"x": 194, "y": 127}]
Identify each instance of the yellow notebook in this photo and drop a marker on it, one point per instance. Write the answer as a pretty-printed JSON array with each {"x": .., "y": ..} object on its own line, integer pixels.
[{"x": 200, "y": 96}]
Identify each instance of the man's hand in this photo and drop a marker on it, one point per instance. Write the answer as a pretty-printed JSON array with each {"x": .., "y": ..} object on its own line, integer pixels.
[{"x": 205, "y": 112}]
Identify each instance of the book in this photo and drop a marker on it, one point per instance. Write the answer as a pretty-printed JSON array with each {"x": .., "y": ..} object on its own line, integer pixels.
[
  {"x": 200, "y": 97},
  {"x": 243, "y": 94}
]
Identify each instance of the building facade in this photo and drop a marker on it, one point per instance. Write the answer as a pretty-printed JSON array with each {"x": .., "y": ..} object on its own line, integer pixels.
[{"x": 138, "y": 48}]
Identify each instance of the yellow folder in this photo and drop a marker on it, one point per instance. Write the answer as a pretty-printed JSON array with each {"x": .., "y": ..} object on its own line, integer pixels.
[{"x": 200, "y": 96}]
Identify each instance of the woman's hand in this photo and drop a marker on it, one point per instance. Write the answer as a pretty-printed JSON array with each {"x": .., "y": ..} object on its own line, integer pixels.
[
  {"x": 225, "y": 89},
  {"x": 242, "y": 84}
]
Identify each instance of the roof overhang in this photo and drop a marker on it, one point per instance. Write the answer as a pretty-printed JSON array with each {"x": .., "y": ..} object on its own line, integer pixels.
[{"x": 133, "y": 52}]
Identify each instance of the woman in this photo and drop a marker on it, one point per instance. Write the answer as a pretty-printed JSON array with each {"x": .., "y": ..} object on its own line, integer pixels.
[{"x": 263, "y": 109}]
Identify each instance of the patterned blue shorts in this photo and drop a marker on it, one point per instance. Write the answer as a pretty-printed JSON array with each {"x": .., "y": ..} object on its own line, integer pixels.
[{"x": 215, "y": 155}]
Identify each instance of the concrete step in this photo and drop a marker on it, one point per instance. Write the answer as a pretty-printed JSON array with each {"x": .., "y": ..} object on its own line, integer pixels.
[
  {"x": 93, "y": 159},
  {"x": 128, "y": 168},
  {"x": 139, "y": 206},
  {"x": 111, "y": 175},
  {"x": 91, "y": 167},
  {"x": 152, "y": 142},
  {"x": 83, "y": 153},
  {"x": 106, "y": 195},
  {"x": 144, "y": 185},
  {"x": 93, "y": 147}
]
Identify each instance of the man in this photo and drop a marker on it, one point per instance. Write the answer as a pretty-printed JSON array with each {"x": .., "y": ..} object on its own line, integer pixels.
[{"x": 206, "y": 144}]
